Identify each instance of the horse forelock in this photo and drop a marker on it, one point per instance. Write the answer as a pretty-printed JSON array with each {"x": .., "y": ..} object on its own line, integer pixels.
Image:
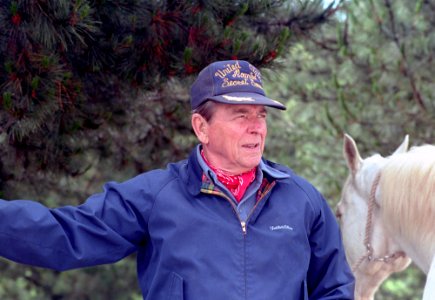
[{"x": 407, "y": 187}]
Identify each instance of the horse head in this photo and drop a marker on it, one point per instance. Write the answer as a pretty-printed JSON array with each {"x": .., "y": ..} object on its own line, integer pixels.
[{"x": 370, "y": 250}]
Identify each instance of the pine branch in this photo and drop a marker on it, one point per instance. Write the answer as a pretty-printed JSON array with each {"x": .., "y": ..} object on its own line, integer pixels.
[{"x": 74, "y": 67}]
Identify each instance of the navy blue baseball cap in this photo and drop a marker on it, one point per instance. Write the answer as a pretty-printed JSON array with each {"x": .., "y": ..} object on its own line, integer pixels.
[{"x": 231, "y": 82}]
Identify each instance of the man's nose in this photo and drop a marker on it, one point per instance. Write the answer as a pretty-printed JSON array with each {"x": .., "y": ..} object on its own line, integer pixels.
[{"x": 256, "y": 125}]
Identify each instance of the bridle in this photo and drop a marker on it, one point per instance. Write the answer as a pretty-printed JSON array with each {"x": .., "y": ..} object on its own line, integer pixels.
[{"x": 389, "y": 258}]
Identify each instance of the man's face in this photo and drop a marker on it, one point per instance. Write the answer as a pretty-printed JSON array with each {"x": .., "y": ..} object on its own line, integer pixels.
[{"x": 235, "y": 137}]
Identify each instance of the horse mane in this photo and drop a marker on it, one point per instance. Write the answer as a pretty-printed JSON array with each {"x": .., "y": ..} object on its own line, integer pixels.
[{"x": 407, "y": 187}]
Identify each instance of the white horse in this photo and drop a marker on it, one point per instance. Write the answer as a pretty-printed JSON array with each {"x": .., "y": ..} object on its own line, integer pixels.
[{"x": 387, "y": 215}]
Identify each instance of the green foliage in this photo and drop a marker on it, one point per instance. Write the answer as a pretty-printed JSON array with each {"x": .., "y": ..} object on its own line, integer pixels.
[
  {"x": 88, "y": 62},
  {"x": 369, "y": 74},
  {"x": 403, "y": 287},
  {"x": 102, "y": 283}
]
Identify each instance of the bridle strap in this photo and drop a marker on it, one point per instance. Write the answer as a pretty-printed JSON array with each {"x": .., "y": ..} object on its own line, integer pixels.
[{"x": 369, "y": 231}]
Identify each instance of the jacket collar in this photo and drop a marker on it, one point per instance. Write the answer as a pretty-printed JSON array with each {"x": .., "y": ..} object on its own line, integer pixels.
[
  {"x": 192, "y": 175},
  {"x": 272, "y": 172}
]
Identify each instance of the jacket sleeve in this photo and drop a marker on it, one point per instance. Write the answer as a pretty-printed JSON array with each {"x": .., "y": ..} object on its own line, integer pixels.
[
  {"x": 106, "y": 228},
  {"x": 329, "y": 275}
]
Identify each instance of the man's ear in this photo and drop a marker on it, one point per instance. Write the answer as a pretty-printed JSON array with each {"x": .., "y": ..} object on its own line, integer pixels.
[{"x": 200, "y": 126}]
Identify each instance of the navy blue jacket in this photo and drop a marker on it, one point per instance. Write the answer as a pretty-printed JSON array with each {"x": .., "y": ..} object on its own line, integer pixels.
[{"x": 190, "y": 242}]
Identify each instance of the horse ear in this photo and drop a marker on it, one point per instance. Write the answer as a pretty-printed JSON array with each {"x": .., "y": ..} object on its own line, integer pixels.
[
  {"x": 404, "y": 146},
  {"x": 351, "y": 154}
]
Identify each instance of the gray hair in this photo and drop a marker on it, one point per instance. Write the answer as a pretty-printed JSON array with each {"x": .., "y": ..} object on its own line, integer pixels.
[{"x": 206, "y": 109}]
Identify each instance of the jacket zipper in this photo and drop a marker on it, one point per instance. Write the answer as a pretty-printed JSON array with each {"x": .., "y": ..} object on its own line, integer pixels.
[
  {"x": 244, "y": 228},
  {"x": 243, "y": 223}
]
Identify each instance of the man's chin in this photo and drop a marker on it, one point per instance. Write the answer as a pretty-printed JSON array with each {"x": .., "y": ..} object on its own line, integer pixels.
[{"x": 252, "y": 163}]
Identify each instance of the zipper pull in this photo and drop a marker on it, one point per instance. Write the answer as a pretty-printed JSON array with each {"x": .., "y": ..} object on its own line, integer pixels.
[{"x": 243, "y": 226}]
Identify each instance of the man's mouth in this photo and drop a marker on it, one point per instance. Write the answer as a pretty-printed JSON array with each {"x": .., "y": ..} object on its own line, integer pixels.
[{"x": 251, "y": 146}]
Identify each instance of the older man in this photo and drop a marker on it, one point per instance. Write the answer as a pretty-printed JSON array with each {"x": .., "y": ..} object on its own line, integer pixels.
[{"x": 223, "y": 224}]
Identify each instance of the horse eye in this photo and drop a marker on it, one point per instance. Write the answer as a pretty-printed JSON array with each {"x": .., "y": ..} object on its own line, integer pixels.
[{"x": 338, "y": 213}]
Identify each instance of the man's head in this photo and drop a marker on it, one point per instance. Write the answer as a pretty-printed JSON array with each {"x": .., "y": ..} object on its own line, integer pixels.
[{"x": 229, "y": 115}]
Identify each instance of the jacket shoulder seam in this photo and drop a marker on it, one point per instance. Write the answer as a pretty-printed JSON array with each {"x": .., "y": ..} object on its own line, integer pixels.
[{"x": 155, "y": 195}]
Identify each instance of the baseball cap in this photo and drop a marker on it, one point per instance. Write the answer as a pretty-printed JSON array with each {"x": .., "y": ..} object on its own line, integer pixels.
[{"x": 231, "y": 82}]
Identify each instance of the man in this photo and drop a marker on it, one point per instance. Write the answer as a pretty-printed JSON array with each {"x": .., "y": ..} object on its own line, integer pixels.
[{"x": 223, "y": 224}]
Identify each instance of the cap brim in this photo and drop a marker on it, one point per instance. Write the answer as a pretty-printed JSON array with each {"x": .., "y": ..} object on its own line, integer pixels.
[{"x": 247, "y": 98}]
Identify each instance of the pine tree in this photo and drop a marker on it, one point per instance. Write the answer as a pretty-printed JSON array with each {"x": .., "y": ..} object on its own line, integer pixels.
[
  {"x": 89, "y": 87},
  {"x": 69, "y": 67}
]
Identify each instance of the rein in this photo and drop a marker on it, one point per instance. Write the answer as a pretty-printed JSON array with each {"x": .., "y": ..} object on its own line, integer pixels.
[{"x": 369, "y": 231}]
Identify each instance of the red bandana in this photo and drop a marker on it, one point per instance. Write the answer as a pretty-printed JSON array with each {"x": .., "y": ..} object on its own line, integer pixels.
[{"x": 236, "y": 184}]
